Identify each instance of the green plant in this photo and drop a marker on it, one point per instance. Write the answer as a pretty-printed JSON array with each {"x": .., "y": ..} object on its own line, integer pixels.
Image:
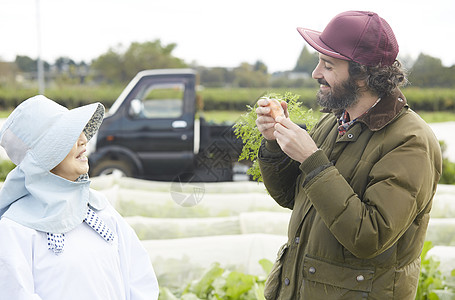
[
  {"x": 246, "y": 129},
  {"x": 218, "y": 283},
  {"x": 431, "y": 280},
  {"x": 448, "y": 167}
]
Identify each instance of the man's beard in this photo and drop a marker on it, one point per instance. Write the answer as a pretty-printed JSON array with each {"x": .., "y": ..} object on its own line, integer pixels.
[{"x": 341, "y": 96}]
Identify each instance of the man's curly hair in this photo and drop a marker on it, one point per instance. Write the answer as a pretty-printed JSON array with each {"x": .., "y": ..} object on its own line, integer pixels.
[{"x": 381, "y": 79}]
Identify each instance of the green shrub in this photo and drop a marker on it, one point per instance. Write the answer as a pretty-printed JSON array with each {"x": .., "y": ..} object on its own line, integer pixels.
[{"x": 448, "y": 167}]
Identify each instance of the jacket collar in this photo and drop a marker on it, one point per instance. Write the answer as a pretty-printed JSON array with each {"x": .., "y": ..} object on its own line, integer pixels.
[{"x": 383, "y": 112}]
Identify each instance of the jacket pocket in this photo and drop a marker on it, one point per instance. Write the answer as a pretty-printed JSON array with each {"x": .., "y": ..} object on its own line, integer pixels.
[
  {"x": 272, "y": 284},
  {"x": 327, "y": 279}
]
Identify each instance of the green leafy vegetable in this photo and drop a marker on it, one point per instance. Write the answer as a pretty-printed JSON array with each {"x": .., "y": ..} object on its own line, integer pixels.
[
  {"x": 218, "y": 283},
  {"x": 245, "y": 128}
]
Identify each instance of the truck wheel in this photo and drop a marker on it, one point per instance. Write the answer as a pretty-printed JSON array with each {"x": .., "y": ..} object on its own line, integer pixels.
[{"x": 113, "y": 167}]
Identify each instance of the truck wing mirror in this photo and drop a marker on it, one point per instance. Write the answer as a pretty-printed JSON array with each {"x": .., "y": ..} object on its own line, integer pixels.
[{"x": 136, "y": 108}]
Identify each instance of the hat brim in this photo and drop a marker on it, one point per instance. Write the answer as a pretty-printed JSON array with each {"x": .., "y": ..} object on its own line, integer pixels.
[
  {"x": 95, "y": 121},
  {"x": 313, "y": 38},
  {"x": 57, "y": 143}
]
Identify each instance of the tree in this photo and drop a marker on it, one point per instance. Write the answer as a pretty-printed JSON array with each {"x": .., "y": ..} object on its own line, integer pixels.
[
  {"x": 26, "y": 64},
  {"x": 259, "y": 66},
  {"x": 63, "y": 63},
  {"x": 246, "y": 75},
  {"x": 116, "y": 66},
  {"x": 109, "y": 67},
  {"x": 214, "y": 77},
  {"x": 428, "y": 71},
  {"x": 307, "y": 61},
  {"x": 150, "y": 55}
]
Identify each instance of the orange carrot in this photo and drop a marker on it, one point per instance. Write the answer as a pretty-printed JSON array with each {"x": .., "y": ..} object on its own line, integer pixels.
[{"x": 275, "y": 108}]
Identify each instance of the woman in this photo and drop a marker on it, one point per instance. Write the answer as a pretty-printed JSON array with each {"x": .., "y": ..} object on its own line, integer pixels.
[{"x": 59, "y": 239}]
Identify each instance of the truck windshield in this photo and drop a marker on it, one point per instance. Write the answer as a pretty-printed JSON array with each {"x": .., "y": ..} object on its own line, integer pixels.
[{"x": 162, "y": 101}]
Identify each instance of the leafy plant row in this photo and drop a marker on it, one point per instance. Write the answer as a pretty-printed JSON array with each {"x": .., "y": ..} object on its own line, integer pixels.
[
  {"x": 431, "y": 99},
  {"x": 218, "y": 283}
]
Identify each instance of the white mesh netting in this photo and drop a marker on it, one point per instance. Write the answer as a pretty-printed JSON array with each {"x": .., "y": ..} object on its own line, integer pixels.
[{"x": 235, "y": 224}]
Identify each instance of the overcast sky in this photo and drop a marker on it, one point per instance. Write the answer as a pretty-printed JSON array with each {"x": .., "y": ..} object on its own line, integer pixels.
[{"x": 210, "y": 32}]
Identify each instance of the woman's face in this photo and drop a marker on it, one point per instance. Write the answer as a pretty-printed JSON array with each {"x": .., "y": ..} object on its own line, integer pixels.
[{"x": 75, "y": 163}]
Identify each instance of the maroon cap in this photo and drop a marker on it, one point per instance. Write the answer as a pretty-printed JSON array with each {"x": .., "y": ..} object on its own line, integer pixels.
[{"x": 361, "y": 36}]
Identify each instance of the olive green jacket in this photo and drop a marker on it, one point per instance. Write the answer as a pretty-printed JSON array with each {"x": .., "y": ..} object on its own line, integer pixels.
[{"x": 360, "y": 206}]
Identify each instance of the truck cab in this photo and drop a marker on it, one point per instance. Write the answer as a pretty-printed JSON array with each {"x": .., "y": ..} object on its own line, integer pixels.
[{"x": 152, "y": 131}]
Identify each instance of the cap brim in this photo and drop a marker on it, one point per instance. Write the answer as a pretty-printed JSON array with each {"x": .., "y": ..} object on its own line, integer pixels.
[{"x": 313, "y": 38}]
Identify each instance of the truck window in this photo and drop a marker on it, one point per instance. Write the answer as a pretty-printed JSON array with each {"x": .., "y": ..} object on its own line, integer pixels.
[{"x": 163, "y": 101}]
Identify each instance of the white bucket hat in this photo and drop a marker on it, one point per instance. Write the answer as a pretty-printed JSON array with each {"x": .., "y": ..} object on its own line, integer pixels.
[
  {"x": 47, "y": 129},
  {"x": 37, "y": 136}
]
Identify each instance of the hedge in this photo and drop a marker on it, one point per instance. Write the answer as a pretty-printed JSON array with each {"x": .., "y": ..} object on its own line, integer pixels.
[
  {"x": 433, "y": 99},
  {"x": 236, "y": 99},
  {"x": 69, "y": 96}
]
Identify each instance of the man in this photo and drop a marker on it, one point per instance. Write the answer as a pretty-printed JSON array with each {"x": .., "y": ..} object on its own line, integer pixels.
[{"x": 361, "y": 183}]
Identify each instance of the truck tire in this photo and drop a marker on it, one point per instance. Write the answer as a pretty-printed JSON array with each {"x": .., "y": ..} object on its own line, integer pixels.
[{"x": 116, "y": 167}]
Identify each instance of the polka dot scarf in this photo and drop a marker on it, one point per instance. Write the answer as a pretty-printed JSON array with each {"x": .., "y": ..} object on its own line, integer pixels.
[
  {"x": 94, "y": 221},
  {"x": 56, "y": 241}
]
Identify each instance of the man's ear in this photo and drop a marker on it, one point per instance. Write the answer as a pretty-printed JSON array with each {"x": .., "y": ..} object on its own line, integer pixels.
[{"x": 362, "y": 83}]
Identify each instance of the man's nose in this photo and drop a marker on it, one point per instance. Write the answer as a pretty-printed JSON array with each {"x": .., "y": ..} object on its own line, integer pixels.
[{"x": 316, "y": 74}]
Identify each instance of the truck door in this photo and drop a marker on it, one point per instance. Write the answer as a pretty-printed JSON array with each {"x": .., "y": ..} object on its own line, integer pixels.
[{"x": 159, "y": 124}]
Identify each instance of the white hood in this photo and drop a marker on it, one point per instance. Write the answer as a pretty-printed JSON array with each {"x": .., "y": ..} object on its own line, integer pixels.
[{"x": 37, "y": 136}]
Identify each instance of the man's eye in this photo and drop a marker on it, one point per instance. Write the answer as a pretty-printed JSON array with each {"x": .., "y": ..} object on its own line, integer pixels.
[{"x": 328, "y": 67}]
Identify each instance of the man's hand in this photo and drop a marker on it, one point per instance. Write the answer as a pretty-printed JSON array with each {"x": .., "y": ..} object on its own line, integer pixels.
[
  {"x": 293, "y": 140},
  {"x": 264, "y": 121}
]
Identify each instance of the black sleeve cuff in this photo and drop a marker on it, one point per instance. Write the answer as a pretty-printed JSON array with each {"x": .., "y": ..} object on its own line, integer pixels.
[
  {"x": 270, "y": 151},
  {"x": 272, "y": 146}
]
